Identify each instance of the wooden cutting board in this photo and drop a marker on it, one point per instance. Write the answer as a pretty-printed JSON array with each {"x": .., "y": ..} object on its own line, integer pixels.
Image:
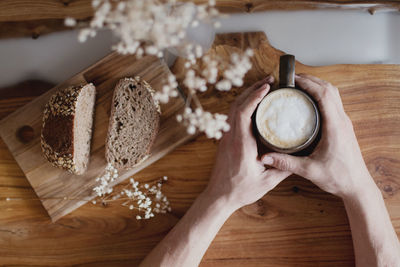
[{"x": 51, "y": 184}]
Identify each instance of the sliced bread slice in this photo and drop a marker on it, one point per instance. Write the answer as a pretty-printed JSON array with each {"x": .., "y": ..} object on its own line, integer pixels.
[
  {"x": 134, "y": 123},
  {"x": 67, "y": 128}
]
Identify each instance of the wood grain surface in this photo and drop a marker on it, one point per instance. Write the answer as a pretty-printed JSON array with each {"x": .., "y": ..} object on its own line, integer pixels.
[
  {"x": 296, "y": 224},
  {"x": 51, "y": 184},
  {"x": 38, "y": 17}
]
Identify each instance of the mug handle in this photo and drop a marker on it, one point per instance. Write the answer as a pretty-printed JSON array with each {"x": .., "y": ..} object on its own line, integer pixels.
[{"x": 286, "y": 71}]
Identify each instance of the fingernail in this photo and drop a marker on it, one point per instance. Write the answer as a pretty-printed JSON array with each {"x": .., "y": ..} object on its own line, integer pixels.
[
  {"x": 264, "y": 86},
  {"x": 268, "y": 160}
]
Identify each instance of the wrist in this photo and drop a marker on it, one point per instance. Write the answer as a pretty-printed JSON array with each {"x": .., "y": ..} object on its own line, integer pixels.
[
  {"x": 224, "y": 201},
  {"x": 359, "y": 183},
  {"x": 363, "y": 193}
]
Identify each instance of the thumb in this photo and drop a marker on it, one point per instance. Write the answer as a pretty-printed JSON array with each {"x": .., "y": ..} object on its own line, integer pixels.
[{"x": 285, "y": 162}]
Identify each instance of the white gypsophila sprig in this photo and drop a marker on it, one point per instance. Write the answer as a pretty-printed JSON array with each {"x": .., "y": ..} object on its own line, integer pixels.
[
  {"x": 147, "y": 27},
  {"x": 70, "y": 22},
  {"x": 105, "y": 181},
  {"x": 194, "y": 82},
  {"x": 168, "y": 90},
  {"x": 210, "y": 69},
  {"x": 234, "y": 74},
  {"x": 213, "y": 125},
  {"x": 144, "y": 198}
]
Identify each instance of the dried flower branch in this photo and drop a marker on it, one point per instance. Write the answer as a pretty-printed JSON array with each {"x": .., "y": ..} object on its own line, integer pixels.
[
  {"x": 212, "y": 124},
  {"x": 145, "y": 199},
  {"x": 148, "y": 28}
]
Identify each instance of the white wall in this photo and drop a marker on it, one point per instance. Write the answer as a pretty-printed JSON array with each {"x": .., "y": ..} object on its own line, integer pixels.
[{"x": 316, "y": 38}]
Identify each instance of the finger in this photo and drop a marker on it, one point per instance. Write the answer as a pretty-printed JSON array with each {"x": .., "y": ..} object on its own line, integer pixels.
[
  {"x": 284, "y": 162},
  {"x": 315, "y": 79},
  {"x": 269, "y": 79},
  {"x": 240, "y": 99},
  {"x": 231, "y": 116},
  {"x": 274, "y": 177},
  {"x": 314, "y": 89},
  {"x": 247, "y": 108},
  {"x": 334, "y": 91},
  {"x": 324, "y": 93},
  {"x": 325, "y": 84},
  {"x": 242, "y": 116}
]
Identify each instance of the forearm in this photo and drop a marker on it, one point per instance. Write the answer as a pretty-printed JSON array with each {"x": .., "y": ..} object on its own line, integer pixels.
[
  {"x": 187, "y": 242},
  {"x": 375, "y": 241}
]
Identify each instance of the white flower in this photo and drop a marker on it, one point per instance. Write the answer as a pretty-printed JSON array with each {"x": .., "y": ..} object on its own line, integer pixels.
[
  {"x": 149, "y": 200},
  {"x": 217, "y": 24},
  {"x": 168, "y": 90},
  {"x": 96, "y": 3},
  {"x": 198, "y": 51},
  {"x": 235, "y": 73},
  {"x": 194, "y": 82},
  {"x": 213, "y": 125},
  {"x": 83, "y": 35},
  {"x": 224, "y": 85},
  {"x": 70, "y": 22},
  {"x": 148, "y": 28},
  {"x": 210, "y": 71},
  {"x": 195, "y": 23},
  {"x": 191, "y": 129},
  {"x": 104, "y": 187},
  {"x": 121, "y": 6},
  {"x": 151, "y": 50},
  {"x": 154, "y": 24}
]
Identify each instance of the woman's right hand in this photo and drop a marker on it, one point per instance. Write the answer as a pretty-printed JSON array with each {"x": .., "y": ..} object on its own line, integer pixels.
[{"x": 336, "y": 165}]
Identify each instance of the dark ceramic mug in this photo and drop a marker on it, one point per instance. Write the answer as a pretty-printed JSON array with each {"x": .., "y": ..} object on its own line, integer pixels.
[{"x": 287, "y": 81}]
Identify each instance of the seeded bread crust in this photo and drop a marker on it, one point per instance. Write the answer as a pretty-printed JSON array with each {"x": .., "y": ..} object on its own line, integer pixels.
[
  {"x": 57, "y": 138},
  {"x": 122, "y": 119}
]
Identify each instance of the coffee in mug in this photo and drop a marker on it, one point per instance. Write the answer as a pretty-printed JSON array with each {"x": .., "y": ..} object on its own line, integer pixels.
[{"x": 286, "y": 118}]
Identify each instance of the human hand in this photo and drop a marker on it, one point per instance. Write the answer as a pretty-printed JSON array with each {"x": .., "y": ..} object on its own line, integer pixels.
[
  {"x": 336, "y": 165},
  {"x": 238, "y": 174}
]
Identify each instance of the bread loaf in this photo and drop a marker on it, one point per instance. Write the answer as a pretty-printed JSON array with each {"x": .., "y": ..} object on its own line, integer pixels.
[
  {"x": 134, "y": 123},
  {"x": 67, "y": 128}
]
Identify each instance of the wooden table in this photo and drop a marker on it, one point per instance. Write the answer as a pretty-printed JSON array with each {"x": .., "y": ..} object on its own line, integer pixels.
[
  {"x": 35, "y": 18},
  {"x": 296, "y": 224},
  {"x": 267, "y": 233}
]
